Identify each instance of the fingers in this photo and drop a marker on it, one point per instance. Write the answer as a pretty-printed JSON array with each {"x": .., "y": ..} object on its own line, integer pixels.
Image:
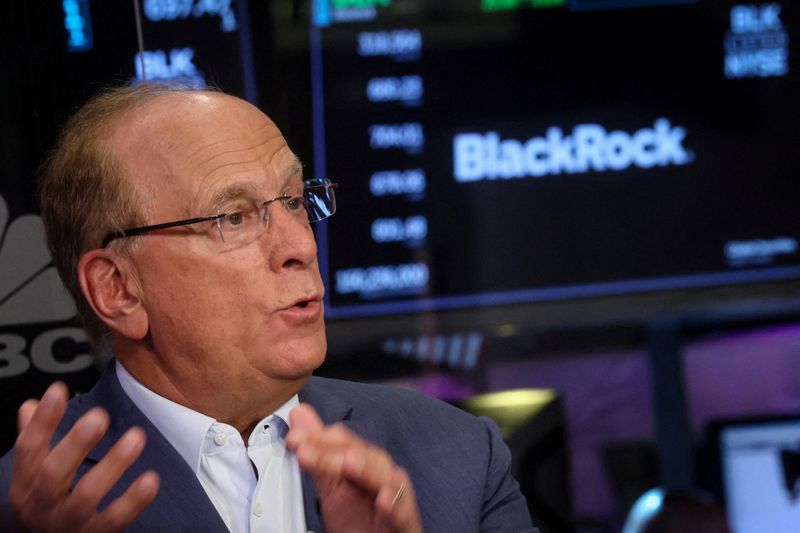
[
  {"x": 39, "y": 494},
  {"x": 397, "y": 504},
  {"x": 304, "y": 417},
  {"x": 334, "y": 451},
  {"x": 25, "y": 413},
  {"x": 320, "y": 450},
  {"x": 60, "y": 466},
  {"x": 373, "y": 470},
  {"x": 334, "y": 454},
  {"x": 123, "y": 510},
  {"x": 93, "y": 486},
  {"x": 38, "y": 422}
]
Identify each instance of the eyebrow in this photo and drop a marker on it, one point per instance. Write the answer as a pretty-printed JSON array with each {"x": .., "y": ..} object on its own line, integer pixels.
[
  {"x": 239, "y": 189},
  {"x": 245, "y": 189},
  {"x": 296, "y": 167}
]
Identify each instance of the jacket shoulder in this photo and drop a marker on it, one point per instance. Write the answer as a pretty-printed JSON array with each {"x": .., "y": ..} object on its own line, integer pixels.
[
  {"x": 439, "y": 445},
  {"x": 388, "y": 404}
]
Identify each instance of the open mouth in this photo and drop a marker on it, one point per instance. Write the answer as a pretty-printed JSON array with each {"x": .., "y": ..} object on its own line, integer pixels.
[
  {"x": 305, "y": 311},
  {"x": 304, "y": 303}
]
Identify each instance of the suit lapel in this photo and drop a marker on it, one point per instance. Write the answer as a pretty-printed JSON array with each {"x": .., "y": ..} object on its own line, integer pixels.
[
  {"x": 182, "y": 503},
  {"x": 332, "y": 409}
]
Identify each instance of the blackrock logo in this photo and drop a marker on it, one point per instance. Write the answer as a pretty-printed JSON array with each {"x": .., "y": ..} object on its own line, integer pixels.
[
  {"x": 32, "y": 297},
  {"x": 589, "y": 147}
]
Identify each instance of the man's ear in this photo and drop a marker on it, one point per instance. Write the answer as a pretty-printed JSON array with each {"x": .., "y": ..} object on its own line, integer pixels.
[{"x": 110, "y": 286}]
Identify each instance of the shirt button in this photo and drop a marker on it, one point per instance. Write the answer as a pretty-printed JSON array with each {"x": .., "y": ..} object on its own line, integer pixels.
[
  {"x": 221, "y": 438},
  {"x": 258, "y": 510}
]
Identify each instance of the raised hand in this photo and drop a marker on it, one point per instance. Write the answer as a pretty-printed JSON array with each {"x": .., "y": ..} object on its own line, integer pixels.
[
  {"x": 361, "y": 488},
  {"x": 40, "y": 496}
]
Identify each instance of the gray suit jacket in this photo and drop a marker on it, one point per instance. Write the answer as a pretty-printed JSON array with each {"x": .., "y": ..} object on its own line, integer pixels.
[{"x": 458, "y": 464}]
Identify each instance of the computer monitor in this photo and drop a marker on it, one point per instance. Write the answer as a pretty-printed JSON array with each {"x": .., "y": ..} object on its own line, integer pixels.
[{"x": 759, "y": 463}]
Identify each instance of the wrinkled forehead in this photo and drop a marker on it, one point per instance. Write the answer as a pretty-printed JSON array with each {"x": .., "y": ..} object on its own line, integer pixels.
[{"x": 186, "y": 151}]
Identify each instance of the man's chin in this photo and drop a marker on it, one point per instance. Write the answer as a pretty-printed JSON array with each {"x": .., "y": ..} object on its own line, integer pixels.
[{"x": 303, "y": 357}]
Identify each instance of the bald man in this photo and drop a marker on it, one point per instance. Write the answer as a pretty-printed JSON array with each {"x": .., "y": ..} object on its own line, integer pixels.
[{"x": 180, "y": 221}]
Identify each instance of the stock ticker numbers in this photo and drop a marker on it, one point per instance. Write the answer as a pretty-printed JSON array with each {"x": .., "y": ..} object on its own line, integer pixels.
[
  {"x": 192, "y": 42},
  {"x": 496, "y": 152},
  {"x": 158, "y": 10},
  {"x": 393, "y": 180}
]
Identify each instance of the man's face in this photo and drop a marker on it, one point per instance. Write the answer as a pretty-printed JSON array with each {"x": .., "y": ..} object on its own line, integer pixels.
[{"x": 251, "y": 315}]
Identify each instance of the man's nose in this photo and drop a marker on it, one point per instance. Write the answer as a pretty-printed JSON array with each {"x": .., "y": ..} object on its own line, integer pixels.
[{"x": 289, "y": 240}]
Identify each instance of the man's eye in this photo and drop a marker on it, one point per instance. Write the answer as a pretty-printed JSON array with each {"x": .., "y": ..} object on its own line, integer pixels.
[
  {"x": 238, "y": 219},
  {"x": 294, "y": 203},
  {"x": 235, "y": 219}
]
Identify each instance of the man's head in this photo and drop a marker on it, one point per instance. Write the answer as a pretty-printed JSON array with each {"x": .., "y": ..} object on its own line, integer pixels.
[
  {"x": 200, "y": 312},
  {"x": 82, "y": 193}
]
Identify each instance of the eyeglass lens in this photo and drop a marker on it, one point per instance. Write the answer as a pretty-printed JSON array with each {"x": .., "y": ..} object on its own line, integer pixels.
[
  {"x": 319, "y": 200},
  {"x": 244, "y": 222}
]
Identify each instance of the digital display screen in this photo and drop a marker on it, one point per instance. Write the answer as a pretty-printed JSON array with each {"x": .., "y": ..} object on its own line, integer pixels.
[
  {"x": 493, "y": 152},
  {"x": 761, "y": 470},
  {"x": 197, "y": 42}
]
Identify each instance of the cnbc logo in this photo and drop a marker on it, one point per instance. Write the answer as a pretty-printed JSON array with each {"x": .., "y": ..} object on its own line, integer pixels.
[
  {"x": 32, "y": 298},
  {"x": 588, "y": 148}
]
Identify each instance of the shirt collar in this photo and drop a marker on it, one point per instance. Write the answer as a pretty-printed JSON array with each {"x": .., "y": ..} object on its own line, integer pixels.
[{"x": 184, "y": 428}]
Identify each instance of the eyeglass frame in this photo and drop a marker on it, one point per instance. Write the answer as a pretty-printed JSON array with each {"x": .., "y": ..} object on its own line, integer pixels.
[{"x": 133, "y": 232}]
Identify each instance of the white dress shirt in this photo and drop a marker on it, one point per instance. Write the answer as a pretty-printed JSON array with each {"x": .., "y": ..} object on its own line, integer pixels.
[{"x": 270, "y": 502}]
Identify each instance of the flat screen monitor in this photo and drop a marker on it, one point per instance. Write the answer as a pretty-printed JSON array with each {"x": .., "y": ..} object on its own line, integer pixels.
[
  {"x": 760, "y": 465},
  {"x": 496, "y": 152}
]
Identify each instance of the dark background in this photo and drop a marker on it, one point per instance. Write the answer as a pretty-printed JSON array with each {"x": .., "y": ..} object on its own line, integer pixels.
[
  {"x": 735, "y": 345},
  {"x": 524, "y": 71}
]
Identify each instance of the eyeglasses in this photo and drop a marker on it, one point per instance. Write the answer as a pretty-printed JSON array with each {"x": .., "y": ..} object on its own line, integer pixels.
[{"x": 244, "y": 220}]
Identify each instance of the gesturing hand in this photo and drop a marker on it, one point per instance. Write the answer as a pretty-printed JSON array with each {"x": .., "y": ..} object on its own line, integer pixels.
[
  {"x": 361, "y": 488},
  {"x": 40, "y": 495}
]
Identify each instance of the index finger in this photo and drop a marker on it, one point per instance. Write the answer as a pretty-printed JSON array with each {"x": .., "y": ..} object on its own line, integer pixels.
[
  {"x": 304, "y": 422},
  {"x": 303, "y": 416},
  {"x": 33, "y": 442}
]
